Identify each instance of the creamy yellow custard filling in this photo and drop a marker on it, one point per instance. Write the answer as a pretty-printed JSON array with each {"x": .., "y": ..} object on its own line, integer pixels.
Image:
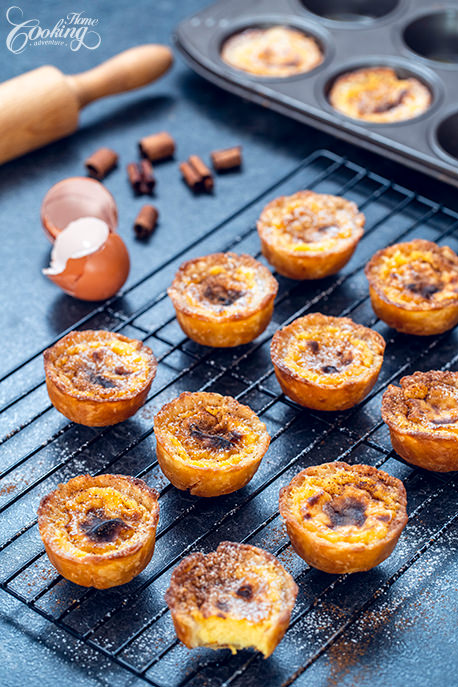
[
  {"x": 378, "y": 95},
  {"x": 209, "y": 434},
  {"x": 425, "y": 402},
  {"x": 98, "y": 520},
  {"x": 277, "y": 51},
  {"x": 415, "y": 276},
  {"x": 108, "y": 367},
  {"x": 222, "y": 286},
  {"x": 307, "y": 222},
  {"x": 333, "y": 354},
  {"x": 223, "y": 292},
  {"x": 343, "y": 507}
]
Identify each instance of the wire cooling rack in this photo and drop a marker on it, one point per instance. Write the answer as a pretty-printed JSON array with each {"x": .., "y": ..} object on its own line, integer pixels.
[{"x": 39, "y": 448}]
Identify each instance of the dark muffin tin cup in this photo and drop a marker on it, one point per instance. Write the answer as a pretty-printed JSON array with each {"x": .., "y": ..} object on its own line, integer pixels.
[{"x": 410, "y": 36}]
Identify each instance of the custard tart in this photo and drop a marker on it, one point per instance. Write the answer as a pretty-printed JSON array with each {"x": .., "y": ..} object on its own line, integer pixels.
[
  {"x": 208, "y": 443},
  {"x": 343, "y": 518},
  {"x": 414, "y": 287},
  {"x": 326, "y": 363},
  {"x": 377, "y": 94},
  {"x": 422, "y": 416},
  {"x": 236, "y": 597},
  {"x": 98, "y": 378},
  {"x": 99, "y": 531},
  {"x": 309, "y": 235},
  {"x": 223, "y": 299},
  {"x": 277, "y": 51}
]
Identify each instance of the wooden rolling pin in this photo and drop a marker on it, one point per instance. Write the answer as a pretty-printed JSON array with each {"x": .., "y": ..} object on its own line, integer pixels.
[{"x": 43, "y": 105}]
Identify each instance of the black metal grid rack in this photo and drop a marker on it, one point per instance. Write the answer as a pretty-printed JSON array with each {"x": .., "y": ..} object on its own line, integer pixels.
[{"x": 39, "y": 448}]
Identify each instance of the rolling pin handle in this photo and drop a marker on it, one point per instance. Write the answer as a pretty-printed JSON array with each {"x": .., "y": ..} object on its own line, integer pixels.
[{"x": 128, "y": 70}]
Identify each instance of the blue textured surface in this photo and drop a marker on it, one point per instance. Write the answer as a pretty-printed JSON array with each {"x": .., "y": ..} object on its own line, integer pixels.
[{"x": 408, "y": 635}]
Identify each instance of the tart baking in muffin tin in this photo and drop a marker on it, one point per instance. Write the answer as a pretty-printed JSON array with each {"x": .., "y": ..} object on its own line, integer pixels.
[{"x": 413, "y": 38}]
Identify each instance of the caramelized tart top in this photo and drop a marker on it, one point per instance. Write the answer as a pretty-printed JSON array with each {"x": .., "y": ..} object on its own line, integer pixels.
[
  {"x": 278, "y": 51},
  {"x": 208, "y": 429},
  {"x": 308, "y": 222},
  {"x": 328, "y": 351},
  {"x": 222, "y": 286},
  {"x": 349, "y": 504},
  {"x": 100, "y": 365},
  {"x": 416, "y": 275},
  {"x": 107, "y": 516},
  {"x": 237, "y": 581},
  {"x": 426, "y": 403},
  {"x": 377, "y": 94}
]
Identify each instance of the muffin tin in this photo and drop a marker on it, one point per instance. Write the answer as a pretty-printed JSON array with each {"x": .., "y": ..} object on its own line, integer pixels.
[{"x": 415, "y": 37}]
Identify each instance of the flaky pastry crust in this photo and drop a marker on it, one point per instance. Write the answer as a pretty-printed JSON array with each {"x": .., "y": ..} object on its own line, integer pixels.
[
  {"x": 208, "y": 443},
  {"x": 278, "y": 51},
  {"x": 414, "y": 287},
  {"x": 309, "y": 235},
  {"x": 422, "y": 416},
  {"x": 98, "y": 378},
  {"x": 326, "y": 363},
  {"x": 377, "y": 94},
  {"x": 223, "y": 299},
  {"x": 343, "y": 518},
  {"x": 236, "y": 597},
  {"x": 99, "y": 531}
]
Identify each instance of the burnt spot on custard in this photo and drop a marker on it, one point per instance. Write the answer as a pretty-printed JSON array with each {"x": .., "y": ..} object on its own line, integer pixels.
[
  {"x": 223, "y": 606},
  {"x": 245, "y": 592},
  {"x": 301, "y": 225},
  {"x": 101, "y": 380},
  {"x": 424, "y": 289},
  {"x": 94, "y": 371},
  {"x": 272, "y": 57},
  {"x": 345, "y": 511},
  {"x": 212, "y": 432},
  {"x": 217, "y": 293},
  {"x": 121, "y": 370},
  {"x": 345, "y": 357},
  {"x": 312, "y": 500},
  {"x": 386, "y": 517},
  {"x": 328, "y": 361},
  {"x": 102, "y": 530},
  {"x": 98, "y": 355},
  {"x": 389, "y": 103},
  {"x": 329, "y": 369},
  {"x": 214, "y": 439}
]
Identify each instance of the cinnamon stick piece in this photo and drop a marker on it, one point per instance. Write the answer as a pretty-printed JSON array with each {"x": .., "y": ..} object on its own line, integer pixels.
[
  {"x": 100, "y": 163},
  {"x": 230, "y": 158},
  {"x": 157, "y": 146},
  {"x": 204, "y": 172},
  {"x": 141, "y": 177},
  {"x": 191, "y": 176},
  {"x": 148, "y": 182},
  {"x": 146, "y": 221},
  {"x": 135, "y": 177}
]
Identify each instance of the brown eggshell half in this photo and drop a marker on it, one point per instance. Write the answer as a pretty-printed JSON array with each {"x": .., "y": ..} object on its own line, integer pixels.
[
  {"x": 73, "y": 198},
  {"x": 96, "y": 276}
]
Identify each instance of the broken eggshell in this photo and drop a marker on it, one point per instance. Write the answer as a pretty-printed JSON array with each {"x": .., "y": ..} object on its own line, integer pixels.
[
  {"x": 73, "y": 198},
  {"x": 88, "y": 261}
]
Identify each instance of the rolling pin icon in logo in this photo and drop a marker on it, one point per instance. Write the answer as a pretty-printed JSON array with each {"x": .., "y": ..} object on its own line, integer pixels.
[{"x": 75, "y": 31}]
